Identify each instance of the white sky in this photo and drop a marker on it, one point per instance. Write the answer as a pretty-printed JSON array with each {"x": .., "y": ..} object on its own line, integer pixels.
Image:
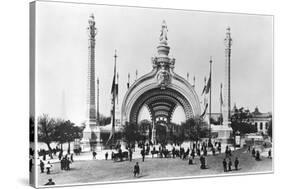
[{"x": 62, "y": 53}]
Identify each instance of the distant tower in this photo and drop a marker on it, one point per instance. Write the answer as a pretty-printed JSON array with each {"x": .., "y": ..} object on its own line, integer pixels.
[{"x": 227, "y": 91}]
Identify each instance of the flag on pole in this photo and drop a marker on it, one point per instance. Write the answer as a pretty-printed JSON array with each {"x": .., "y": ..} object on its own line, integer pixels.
[
  {"x": 221, "y": 99},
  {"x": 205, "y": 110},
  {"x": 204, "y": 89},
  {"x": 208, "y": 86}
]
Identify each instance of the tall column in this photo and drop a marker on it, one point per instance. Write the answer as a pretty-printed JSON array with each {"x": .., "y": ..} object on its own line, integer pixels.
[
  {"x": 227, "y": 89},
  {"x": 91, "y": 73},
  {"x": 90, "y": 133},
  {"x": 98, "y": 103}
]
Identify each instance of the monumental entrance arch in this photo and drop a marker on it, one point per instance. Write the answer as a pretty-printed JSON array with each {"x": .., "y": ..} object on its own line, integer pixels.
[{"x": 161, "y": 90}]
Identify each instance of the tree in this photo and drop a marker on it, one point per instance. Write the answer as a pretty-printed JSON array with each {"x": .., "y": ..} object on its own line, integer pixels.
[
  {"x": 66, "y": 131},
  {"x": 195, "y": 129},
  {"x": 240, "y": 121},
  {"x": 46, "y": 130},
  {"x": 130, "y": 132},
  {"x": 103, "y": 120}
]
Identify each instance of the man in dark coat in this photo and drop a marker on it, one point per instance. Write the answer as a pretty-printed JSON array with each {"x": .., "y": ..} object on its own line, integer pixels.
[
  {"x": 253, "y": 152},
  {"x": 106, "y": 155},
  {"x": 190, "y": 161},
  {"x": 236, "y": 163},
  {"x": 173, "y": 152},
  {"x": 143, "y": 154},
  {"x": 258, "y": 155},
  {"x": 67, "y": 164},
  {"x": 136, "y": 169},
  {"x": 229, "y": 164},
  {"x": 224, "y": 163},
  {"x": 203, "y": 163},
  {"x": 269, "y": 153},
  {"x": 130, "y": 154},
  {"x": 214, "y": 151},
  {"x": 42, "y": 166}
]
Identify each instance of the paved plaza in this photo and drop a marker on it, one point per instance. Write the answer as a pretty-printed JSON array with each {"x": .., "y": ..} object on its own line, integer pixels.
[{"x": 84, "y": 171}]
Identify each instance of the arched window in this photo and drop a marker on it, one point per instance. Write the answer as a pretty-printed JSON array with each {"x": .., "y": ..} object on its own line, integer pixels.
[{"x": 261, "y": 124}]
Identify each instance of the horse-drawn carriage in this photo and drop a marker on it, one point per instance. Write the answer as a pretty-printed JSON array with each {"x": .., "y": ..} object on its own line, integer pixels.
[{"x": 120, "y": 156}]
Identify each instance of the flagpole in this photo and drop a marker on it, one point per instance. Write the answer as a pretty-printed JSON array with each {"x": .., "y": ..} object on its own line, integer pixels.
[
  {"x": 113, "y": 111},
  {"x": 210, "y": 107},
  {"x": 221, "y": 103}
]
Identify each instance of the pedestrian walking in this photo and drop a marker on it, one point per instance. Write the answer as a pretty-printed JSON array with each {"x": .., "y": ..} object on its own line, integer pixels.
[
  {"x": 67, "y": 164},
  {"x": 224, "y": 163},
  {"x": 48, "y": 167},
  {"x": 136, "y": 169},
  {"x": 62, "y": 164},
  {"x": 42, "y": 165},
  {"x": 94, "y": 154},
  {"x": 190, "y": 161},
  {"x": 229, "y": 164},
  {"x": 106, "y": 155},
  {"x": 143, "y": 154},
  {"x": 214, "y": 151},
  {"x": 236, "y": 163},
  {"x": 258, "y": 156},
  {"x": 269, "y": 153},
  {"x": 253, "y": 152}
]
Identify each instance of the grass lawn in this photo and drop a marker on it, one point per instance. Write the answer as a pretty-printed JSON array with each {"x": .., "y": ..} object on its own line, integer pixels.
[{"x": 102, "y": 170}]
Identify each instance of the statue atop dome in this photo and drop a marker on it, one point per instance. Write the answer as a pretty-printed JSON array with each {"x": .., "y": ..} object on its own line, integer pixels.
[{"x": 163, "y": 35}]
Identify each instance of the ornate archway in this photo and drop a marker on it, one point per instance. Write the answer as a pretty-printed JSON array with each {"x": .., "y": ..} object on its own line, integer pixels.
[{"x": 161, "y": 90}]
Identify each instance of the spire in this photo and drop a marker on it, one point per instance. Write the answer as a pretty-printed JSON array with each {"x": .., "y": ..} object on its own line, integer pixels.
[
  {"x": 128, "y": 83},
  {"x": 136, "y": 74},
  {"x": 187, "y": 76},
  {"x": 194, "y": 81}
]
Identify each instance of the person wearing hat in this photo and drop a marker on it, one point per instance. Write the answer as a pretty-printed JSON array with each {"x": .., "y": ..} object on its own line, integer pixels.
[
  {"x": 136, "y": 169},
  {"x": 50, "y": 182}
]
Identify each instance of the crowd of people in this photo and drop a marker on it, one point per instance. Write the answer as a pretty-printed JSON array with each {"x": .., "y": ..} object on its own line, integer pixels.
[{"x": 199, "y": 150}]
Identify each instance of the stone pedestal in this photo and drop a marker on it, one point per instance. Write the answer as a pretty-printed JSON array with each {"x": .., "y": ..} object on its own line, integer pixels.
[
  {"x": 85, "y": 142},
  {"x": 97, "y": 139},
  {"x": 224, "y": 133}
]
